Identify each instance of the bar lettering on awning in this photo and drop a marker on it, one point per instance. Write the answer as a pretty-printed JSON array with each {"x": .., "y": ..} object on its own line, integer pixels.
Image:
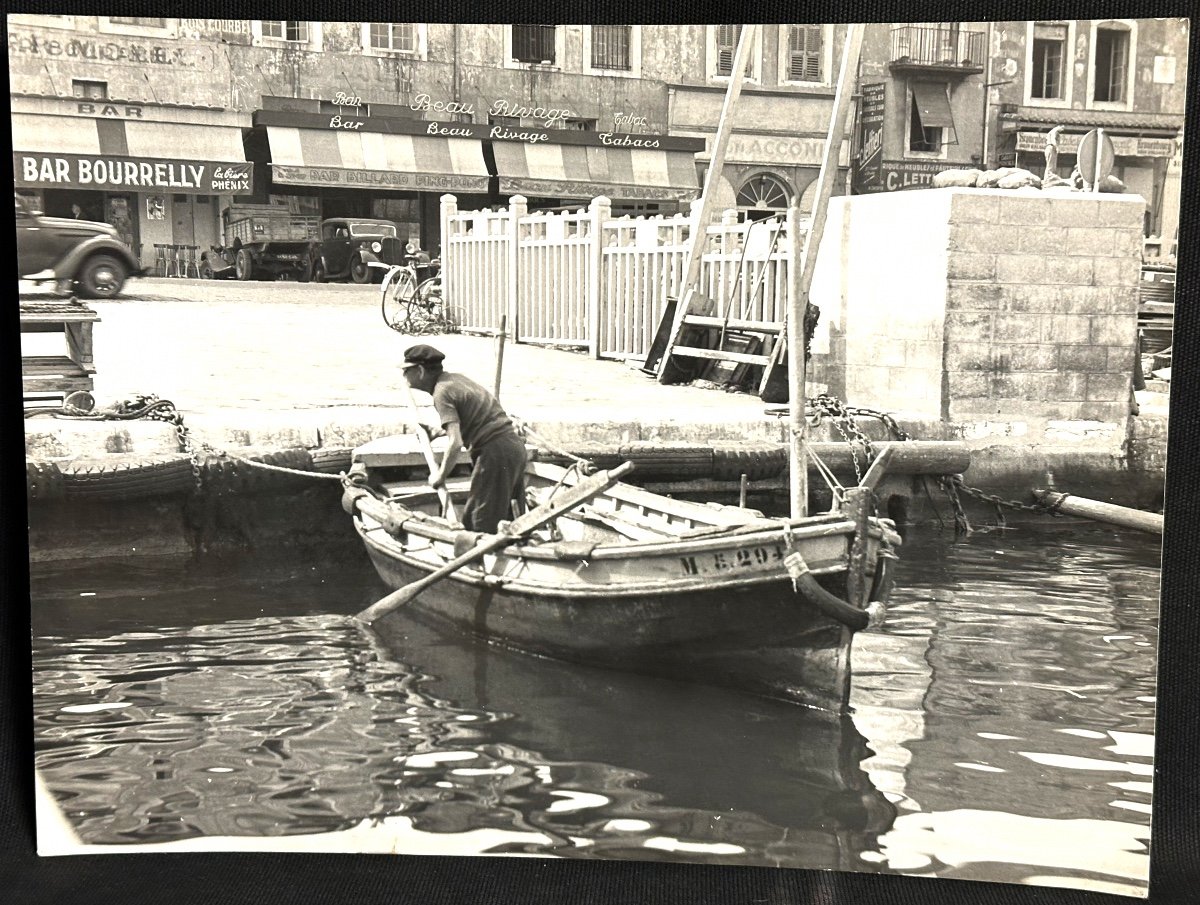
[{"x": 79, "y": 171}]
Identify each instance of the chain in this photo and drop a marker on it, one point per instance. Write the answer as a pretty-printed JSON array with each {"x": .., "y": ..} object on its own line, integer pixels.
[{"x": 956, "y": 482}]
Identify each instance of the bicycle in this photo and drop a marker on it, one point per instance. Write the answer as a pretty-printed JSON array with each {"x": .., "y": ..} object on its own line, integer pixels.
[{"x": 411, "y": 296}]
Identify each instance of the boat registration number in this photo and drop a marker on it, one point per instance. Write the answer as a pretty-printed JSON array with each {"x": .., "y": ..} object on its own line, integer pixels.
[{"x": 732, "y": 560}]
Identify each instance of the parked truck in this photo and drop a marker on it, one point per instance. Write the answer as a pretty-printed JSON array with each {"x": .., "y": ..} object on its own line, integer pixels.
[{"x": 262, "y": 241}]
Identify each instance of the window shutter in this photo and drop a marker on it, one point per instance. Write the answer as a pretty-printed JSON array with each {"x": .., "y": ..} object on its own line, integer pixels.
[
  {"x": 727, "y": 40},
  {"x": 804, "y": 51}
]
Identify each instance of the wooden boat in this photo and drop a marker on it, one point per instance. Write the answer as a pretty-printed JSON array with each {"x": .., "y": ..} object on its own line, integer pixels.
[{"x": 637, "y": 581}]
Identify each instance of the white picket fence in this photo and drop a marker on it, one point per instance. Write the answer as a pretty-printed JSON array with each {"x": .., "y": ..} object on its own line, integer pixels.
[{"x": 585, "y": 279}]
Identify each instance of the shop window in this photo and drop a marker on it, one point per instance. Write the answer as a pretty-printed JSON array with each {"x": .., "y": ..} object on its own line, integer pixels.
[
  {"x": 533, "y": 43},
  {"x": 1111, "y": 64},
  {"x": 610, "y": 47},
  {"x": 805, "y": 53},
  {"x": 1049, "y": 56},
  {"x": 764, "y": 192},
  {"x": 91, "y": 90},
  {"x": 285, "y": 30},
  {"x": 393, "y": 37}
]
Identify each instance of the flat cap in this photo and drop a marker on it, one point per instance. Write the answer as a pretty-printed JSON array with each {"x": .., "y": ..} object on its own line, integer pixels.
[{"x": 422, "y": 354}]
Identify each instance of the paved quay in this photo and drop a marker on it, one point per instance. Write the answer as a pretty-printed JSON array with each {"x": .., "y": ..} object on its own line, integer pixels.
[
  {"x": 257, "y": 367},
  {"x": 277, "y": 365}
]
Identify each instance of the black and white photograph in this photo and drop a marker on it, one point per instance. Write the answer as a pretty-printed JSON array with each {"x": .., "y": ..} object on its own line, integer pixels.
[{"x": 714, "y": 445}]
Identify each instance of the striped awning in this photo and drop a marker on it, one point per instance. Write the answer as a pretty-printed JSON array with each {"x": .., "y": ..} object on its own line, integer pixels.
[
  {"x": 586, "y": 171},
  {"x": 383, "y": 160},
  {"x": 69, "y": 151}
]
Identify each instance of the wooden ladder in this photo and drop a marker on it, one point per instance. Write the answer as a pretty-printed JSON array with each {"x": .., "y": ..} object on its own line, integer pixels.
[{"x": 701, "y": 335}]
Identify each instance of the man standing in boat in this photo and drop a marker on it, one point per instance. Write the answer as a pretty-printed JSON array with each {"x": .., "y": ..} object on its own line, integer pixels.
[{"x": 472, "y": 417}]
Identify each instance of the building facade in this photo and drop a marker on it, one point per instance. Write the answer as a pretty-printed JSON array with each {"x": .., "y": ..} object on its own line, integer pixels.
[
  {"x": 942, "y": 95},
  {"x": 159, "y": 124}
]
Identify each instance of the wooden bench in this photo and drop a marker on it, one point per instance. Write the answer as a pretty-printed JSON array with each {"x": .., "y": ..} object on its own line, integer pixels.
[{"x": 46, "y": 377}]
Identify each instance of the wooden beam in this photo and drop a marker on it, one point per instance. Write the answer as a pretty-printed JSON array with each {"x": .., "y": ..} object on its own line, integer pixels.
[
  {"x": 716, "y": 163},
  {"x": 802, "y": 282}
]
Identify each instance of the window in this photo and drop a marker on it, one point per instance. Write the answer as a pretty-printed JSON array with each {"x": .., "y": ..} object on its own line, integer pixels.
[
  {"x": 1111, "y": 64},
  {"x": 727, "y": 40},
  {"x": 578, "y": 124},
  {"x": 805, "y": 53},
  {"x": 85, "y": 88},
  {"x": 920, "y": 137},
  {"x": 930, "y": 122},
  {"x": 610, "y": 47},
  {"x": 141, "y": 21},
  {"x": 285, "y": 31},
  {"x": 401, "y": 38},
  {"x": 764, "y": 192},
  {"x": 533, "y": 43},
  {"x": 722, "y": 48},
  {"x": 1049, "y": 46}
]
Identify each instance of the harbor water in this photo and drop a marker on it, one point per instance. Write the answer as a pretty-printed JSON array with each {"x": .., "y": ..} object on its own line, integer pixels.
[{"x": 1000, "y": 728}]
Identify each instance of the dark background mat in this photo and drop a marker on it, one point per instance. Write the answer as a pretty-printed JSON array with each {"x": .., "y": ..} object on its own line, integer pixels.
[{"x": 232, "y": 879}]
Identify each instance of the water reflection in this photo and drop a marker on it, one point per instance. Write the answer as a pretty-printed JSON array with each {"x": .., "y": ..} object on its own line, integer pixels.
[
  {"x": 286, "y": 725},
  {"x": 1002, "y": 726}
]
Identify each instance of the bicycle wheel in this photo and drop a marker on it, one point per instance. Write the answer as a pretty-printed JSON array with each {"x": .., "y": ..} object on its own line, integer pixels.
[{"x": 398, "y": 295}]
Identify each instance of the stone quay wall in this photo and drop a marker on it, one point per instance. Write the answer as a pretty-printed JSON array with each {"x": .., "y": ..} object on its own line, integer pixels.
[{"x": 1010, "y": 316}]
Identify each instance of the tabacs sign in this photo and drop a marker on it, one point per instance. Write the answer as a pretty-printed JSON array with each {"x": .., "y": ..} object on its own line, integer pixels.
[{"x": 141, "y": 174}]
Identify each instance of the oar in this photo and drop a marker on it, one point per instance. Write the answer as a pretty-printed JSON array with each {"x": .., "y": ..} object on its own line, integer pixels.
[
  {"x": 427, "y": 448},
  {"x": 563, "y": 501}
]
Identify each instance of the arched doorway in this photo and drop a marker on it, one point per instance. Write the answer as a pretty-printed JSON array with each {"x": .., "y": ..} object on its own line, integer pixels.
[{"x": 763, "y": 195}]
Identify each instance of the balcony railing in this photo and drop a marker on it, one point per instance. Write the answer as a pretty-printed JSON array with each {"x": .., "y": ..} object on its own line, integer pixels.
[{"x": 945, "y": 49}]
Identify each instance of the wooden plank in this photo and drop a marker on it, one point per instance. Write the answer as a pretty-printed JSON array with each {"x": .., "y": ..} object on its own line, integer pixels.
[
  {"x": 741, "y": 326},
  {"x": 720, "y": 355},
  {"x": 51, "y": 366}
]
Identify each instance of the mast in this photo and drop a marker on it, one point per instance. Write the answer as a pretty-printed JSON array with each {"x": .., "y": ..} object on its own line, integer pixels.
[
  {"x": 716, "y": 163},
  {"x": 802, "y": 275}
]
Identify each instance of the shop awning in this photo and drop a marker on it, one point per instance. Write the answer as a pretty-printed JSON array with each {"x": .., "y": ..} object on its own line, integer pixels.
[
  {"x": 77, "y": 152},
  {"x": 584, "y": 171},
  {"x": 419, "y": 163},
  {"x": 932, "y": 105}
]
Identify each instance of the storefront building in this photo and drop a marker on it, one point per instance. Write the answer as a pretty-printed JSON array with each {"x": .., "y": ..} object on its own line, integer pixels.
[
  {"x": 921, "y": 103},
  {"x": 1125, "y": 76}
]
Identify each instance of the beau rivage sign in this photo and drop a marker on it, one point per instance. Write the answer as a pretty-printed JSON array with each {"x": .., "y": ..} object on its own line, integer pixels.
[{"x": 532, "y": 135}]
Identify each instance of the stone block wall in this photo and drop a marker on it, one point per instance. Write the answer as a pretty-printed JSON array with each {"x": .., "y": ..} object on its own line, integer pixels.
[
  {"x": 981, "y": 306},
  {"x": 1041, "y": 304}
]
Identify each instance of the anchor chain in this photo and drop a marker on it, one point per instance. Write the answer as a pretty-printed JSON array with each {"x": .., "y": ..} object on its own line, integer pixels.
[{"x": 952, "y": 485}]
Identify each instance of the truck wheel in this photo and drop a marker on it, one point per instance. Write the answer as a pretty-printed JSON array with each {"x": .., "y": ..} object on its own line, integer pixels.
[
  {"x": 244, "y": 265},
  {"x": 360, "y": 272},
  {"x": 101, "y": 277}
]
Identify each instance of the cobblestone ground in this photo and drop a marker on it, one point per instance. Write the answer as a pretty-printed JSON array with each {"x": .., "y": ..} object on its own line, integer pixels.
[{"x": 309, "y": 353}]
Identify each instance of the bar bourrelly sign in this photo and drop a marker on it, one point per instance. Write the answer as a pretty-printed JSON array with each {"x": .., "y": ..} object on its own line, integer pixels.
[{"x": 86, "y": 171}]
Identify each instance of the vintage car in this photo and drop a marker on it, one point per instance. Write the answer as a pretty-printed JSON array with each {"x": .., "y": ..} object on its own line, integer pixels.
[
  {"x": 82, "y": 256},
  {"x": 350, "y": 245}
]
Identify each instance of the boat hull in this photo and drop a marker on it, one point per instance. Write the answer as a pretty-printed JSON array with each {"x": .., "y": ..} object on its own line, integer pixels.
[{"x": 751, "y": 631}]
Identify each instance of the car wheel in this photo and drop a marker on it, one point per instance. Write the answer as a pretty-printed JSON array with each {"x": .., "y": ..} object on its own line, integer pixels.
[
  {"x": 101, "y": 277},
  {"x": 360, "y": 272},
  {"x": 244, "y": 265},
  {"x": 206, "y": 272}
]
